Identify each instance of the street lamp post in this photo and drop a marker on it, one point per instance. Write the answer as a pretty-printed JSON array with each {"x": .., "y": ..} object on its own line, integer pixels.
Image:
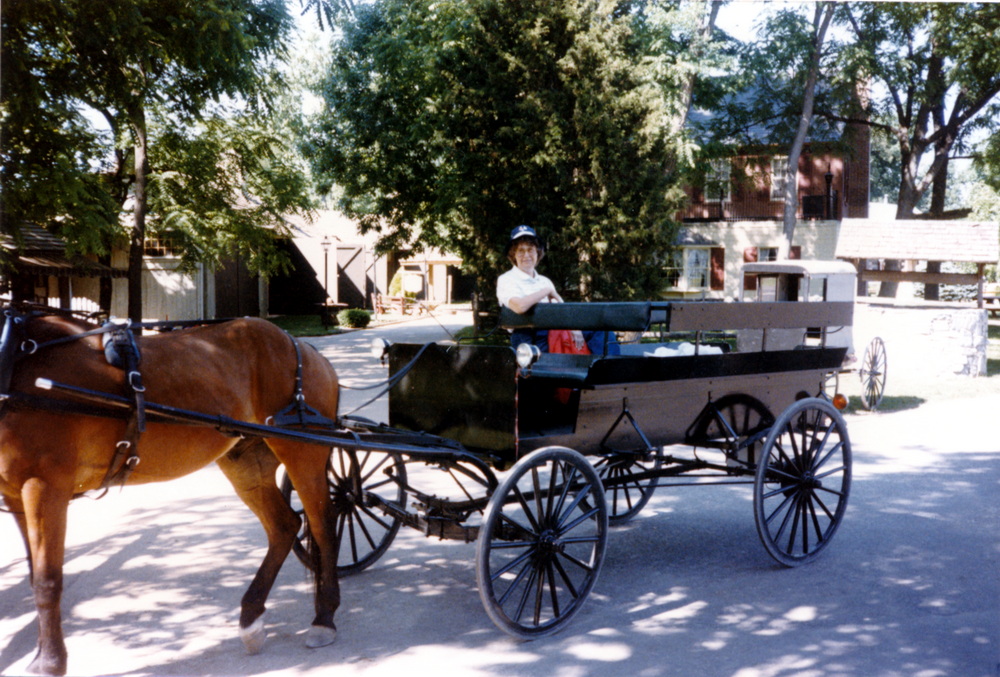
[
  {"x": 326, "y": 266},
  {"x": 326, "y": 281}
]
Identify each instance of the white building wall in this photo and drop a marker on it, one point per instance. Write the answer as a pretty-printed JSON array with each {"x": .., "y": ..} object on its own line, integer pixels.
[
  {"x": 167, "y": 293},
  {"x": 818, "y": 240}
]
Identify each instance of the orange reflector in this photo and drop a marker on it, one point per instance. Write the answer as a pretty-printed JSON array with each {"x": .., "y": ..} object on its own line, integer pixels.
[{"x": 840, "y": 402}]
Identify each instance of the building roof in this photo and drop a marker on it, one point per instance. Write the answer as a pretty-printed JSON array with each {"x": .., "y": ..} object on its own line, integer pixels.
[
  {"x": 39, "y": 251},
  {"x": 919, "y": 240},
  {"x": 808, "y": 268}
]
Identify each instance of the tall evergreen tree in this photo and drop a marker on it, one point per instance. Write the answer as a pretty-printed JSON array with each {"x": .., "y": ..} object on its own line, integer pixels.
[{"x": 448, "y": 123}]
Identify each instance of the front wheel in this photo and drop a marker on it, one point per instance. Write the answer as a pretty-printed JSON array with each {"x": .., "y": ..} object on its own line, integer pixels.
[
  {"x": 542, "y": 543},
  {"x": 626, "y": 494},
  {"x": 803, "y": 481}
]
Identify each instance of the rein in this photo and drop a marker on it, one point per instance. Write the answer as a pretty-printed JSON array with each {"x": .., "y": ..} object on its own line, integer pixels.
[
  {"x": 121, "y": 351},
  {"x": 389, "y": 383}
]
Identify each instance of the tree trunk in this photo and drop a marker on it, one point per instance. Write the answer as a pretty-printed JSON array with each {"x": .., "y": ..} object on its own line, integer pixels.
[
  {"x": 687, "y": 95},
  {"x": 824, "y": 13},
  {"x": 906, "y": 204},
  {"x": 137, "y": 243}
]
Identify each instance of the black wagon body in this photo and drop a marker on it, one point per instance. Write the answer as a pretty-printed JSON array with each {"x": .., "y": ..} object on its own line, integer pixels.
[{"x": 552, "y": 449}]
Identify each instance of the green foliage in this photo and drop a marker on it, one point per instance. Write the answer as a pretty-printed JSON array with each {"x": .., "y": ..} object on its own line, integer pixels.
[
  {"x": 468, "y": 336},
  {"x": 188, "y": 84},
  {"x": 935, "y": 73},
  {"x": 355, "y": 318},
  {"x": 450, "y": 122}
]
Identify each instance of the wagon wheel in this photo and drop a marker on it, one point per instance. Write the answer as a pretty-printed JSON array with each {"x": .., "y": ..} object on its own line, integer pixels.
[
  {"x": 626, "y": 496},
  {"x": 872, "y": 373},
  {"x": 364, "y": 531},
  {"x": 542, "y": 542},
  {"x": 803, "y": 481},
  {"x": 736, "y": 424}
]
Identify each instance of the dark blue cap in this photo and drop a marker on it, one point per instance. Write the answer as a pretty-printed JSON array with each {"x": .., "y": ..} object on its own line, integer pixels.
[{"x": 523, "y": 231}]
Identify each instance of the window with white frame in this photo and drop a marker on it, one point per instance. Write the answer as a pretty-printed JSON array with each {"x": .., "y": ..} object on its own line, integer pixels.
[
  {"x": 718, "y": 180},
  {"x": 690, "y": 269},
  {"x": 779, "y": 175}
]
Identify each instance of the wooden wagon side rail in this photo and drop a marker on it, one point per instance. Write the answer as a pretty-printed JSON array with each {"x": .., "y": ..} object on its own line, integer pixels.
[{"x": 681, "y": 316}]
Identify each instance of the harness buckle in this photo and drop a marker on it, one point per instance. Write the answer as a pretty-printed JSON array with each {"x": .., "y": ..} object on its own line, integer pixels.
[
  {"x": 135, "y": 381},
  {"x": 29, "y": 346}
]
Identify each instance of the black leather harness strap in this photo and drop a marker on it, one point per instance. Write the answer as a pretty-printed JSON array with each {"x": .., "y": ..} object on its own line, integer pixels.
[
  {"x": 298, "y": 412},
  {"x": 122, "y": 351}
]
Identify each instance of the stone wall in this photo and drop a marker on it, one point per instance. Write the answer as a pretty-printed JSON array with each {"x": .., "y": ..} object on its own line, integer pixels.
[{"x": 936, "y": 338}]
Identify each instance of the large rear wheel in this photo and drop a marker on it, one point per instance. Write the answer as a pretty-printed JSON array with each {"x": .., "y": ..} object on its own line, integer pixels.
[
  {"x": 735, "y": 424},
  {"x": 873, "y": 369},
  {"x": 803, "y": 481}
]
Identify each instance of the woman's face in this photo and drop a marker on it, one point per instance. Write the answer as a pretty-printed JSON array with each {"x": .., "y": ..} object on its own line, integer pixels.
[{"x": 526, "y": 256}]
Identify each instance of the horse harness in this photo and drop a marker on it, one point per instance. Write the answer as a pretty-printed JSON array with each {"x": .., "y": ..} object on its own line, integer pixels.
[{"x": 122, "y": 352}]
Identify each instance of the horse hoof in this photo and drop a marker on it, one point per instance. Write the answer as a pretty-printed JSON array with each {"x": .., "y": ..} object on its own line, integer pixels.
[
  {"x": 320, "y": 635},
  {"x": 47, "y": 665},
  {"x": 253, "y": 636}
]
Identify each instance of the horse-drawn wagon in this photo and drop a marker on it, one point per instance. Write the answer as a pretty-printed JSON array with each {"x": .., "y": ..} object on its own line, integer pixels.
[
  {"x": 545, "y": 451},
  {"x": 541, "y": 452}
]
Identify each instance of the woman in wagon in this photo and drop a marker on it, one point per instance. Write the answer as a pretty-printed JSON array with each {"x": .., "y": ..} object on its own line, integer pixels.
[{"x": 522, "y": 287}]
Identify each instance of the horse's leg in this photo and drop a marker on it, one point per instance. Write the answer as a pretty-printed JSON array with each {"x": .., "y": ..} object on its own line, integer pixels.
[
  {"x": 250, "y": 467},
  {"x": 45, "y": 508},
  {"x": 306, "y": 466},
  {"x": 16, "y": 508}
]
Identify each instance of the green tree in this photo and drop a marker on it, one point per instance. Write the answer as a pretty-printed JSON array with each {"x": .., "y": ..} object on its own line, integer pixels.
[
  {"x": 937, "y": 66},
  {"x": 448, "y": 123},
  {"x": 171, "y": 67}
]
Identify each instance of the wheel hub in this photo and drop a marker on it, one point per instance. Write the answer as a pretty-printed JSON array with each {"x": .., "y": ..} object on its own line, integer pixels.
[{"x": 549, "y": 544}]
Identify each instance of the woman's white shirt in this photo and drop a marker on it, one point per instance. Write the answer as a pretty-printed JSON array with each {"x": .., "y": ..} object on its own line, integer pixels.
[{"x": 516, "y": 283}]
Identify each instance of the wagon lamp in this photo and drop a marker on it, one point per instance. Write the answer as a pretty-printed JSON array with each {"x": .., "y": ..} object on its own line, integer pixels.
[
  {"x": 527, "y": 355},
  {"x": 840, "y": 401},
  {"x": 380, "y": 349}
]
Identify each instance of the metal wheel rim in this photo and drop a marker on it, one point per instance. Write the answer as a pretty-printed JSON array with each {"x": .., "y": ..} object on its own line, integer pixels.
[
  {"x": 541, "y": 545},
  {"x": 802, "y": 482}
]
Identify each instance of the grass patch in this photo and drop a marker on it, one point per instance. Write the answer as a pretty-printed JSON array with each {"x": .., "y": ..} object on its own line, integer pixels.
[
  {"x": 466, "y": 336},
  {"x": 889, "y": 403},
  {"x": 304, "y": 325}
]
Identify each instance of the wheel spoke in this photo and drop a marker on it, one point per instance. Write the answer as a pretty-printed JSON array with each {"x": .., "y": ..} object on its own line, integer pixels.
[
  {"x": 532, "y": 573},
  {"x": 517, "y": 561}
]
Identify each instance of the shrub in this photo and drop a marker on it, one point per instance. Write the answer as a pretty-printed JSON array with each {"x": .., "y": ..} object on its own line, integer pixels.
[
  {"x": 467, "y": 335},
  {"x": 355, "y": 318}
]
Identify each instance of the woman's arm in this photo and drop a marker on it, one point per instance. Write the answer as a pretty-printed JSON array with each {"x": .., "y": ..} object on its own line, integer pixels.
[{"x": 523, "y": 304}]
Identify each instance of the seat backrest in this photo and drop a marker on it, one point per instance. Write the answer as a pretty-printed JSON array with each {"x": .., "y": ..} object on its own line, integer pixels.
[{"x": 623, "y": 316}]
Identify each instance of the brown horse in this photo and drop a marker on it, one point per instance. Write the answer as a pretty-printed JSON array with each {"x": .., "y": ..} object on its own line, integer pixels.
[{"x": 244, "y": 369}]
